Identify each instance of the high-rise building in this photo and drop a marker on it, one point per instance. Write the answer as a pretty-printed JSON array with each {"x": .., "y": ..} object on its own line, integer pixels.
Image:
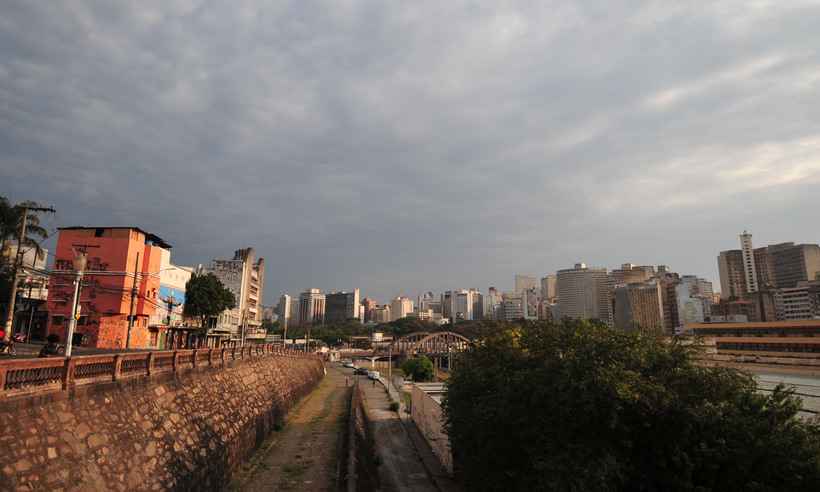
[
  {"x": 630, "y": 274},
  {"x": 381, "y": 314},
  {"x": 127, "y": 254},
  {"x": 694, "y": 298},
  {"x": 749, "y": 265},
  {"x": 549, "y": 288},
  {"x": 286, "y": 310},
  {"x": 512, "y": 307},
  {"x": 669, "y": 282},
  {"x": 639, "y": 306},
  {"x": 430, "y": 301},
  {"x": 583, "y": 293},
  {"x": 530, "y": 299},
  {"x": 732, "y": 274},
  {"x": 746, "y": 271},
  {"x": 524, "y": 282},
  {"x": 312, "y": 307},
  {"x": 461, "y": 305},
  {"x": 244, "y": 276},
  {"x": 341, "y": 306},
  {"x": 492, "y": 304},
  {"x": 400, "y": 307},
  {"x": 369, "y": 305}
]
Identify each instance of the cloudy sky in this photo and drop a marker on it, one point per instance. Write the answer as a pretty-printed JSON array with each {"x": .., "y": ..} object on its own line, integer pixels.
[{"x": 409, "y": 146}]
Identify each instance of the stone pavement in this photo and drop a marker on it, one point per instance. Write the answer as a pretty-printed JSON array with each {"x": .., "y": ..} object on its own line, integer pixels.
[{"x": 400, "y": 468}]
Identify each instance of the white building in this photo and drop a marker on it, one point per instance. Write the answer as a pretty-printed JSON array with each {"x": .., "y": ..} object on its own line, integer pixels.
[
  {"x": 400, "y": 307},
  {"x": 172, "y": 282},
  {"x": 583, "y": 293},
  {"x": 244, "y": 276},
  {"x": 694, "y": 297},
  {"x": 492, "y": 304},
  {"x": 381, "y": 314},
  {"x": 749, "y": 266},
  {"x": 312, "y": 307},
  {"x": 524, "y": 282}
]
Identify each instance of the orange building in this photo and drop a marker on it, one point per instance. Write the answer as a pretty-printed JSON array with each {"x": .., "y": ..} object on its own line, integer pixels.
[{"x": 116, "y": 255}]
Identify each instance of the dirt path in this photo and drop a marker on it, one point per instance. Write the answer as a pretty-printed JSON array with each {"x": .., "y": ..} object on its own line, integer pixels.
[{"x": 303, "y": 455}]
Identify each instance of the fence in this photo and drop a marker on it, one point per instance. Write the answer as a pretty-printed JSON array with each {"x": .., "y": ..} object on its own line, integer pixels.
[{"x": 35, "y": 376}]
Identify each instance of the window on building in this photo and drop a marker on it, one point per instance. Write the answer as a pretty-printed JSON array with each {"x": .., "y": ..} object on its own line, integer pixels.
[
  {"x": 57, "y": 320},
  {"x": 99, "y": 232}
]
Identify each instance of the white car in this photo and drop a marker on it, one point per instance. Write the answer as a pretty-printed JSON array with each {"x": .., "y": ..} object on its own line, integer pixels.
[
  {"x": 373, "y": 375},
  {"x": 349, "y": 365}
]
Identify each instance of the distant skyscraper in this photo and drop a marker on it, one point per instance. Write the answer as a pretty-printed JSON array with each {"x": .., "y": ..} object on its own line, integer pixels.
[
  {"x": 749, "y": 268},
  {"x": 312, "y": 307},
  {"x": 369, "y": 305},
  {"x": 512, "y": 307},
  {"x": 341, "y": 306},
  {"x": 400, "y": 307},
  {"x": 381, "y": 314},
  {"x": 583, "y": 293},
  {"x": 549, "y": 290},
  {"x": 524, "y": 282},
  {"x": 638, "y": 306},
  {"x": 285, "y": 311},
  {"x": 492, "y": 304},
  {"x": 732, "y": 274}
]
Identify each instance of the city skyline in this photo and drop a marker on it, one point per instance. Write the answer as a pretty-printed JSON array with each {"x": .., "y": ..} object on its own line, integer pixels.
[{"x": 406, "y": 148}]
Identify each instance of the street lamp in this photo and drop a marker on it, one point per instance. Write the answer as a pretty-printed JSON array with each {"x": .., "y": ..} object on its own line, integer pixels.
[{"x": 80, "y": 260}]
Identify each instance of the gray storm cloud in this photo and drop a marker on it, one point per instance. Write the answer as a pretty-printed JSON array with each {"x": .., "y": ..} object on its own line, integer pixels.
[{"x": 409, "y": 146}]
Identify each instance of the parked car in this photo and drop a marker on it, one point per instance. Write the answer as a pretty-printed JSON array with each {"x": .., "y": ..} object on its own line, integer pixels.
[
  {"x": 373, "y": 374},
  {"x": 349, "y": 365},
  {"x": 360, "y": 370}
]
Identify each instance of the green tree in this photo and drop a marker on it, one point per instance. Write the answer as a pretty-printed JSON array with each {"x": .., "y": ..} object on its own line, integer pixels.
[
  {"x": 206, "y": 297},
  {"x": 579, "y": 406},
  {"x": 419, "y": 368}
]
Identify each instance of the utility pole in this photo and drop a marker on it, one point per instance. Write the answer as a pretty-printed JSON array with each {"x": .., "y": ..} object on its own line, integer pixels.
[
  {"x": 13, "y": 293},
  {"x": 131, "y": 309}
]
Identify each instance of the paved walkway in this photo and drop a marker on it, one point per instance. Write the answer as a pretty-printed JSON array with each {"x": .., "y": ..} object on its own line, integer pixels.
[
  {"x": 303, "y": 456},
  {"x": 401, "y": 468}
]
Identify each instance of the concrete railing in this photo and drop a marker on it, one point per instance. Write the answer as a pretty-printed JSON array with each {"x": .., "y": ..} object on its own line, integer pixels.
[{"x": 20, "y": 377}]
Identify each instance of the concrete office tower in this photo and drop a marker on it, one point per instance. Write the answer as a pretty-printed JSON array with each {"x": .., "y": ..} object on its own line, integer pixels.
[
  {"x": 430, "y": 302},
  {"x": 549, "y": 288},
  {"x": 284, "y": 310},
  {"x": 341, "y": 306},
  {"x": 694, "y": 298},
  {"x": 369, "y": 305},
  {"x": 639, "y": 306},
  {"x": 400, "y": 307},
  {"x": 460, "y": 305},
  {"x": 512, "y": 307},
  {"x": 794, "y": 263},
  {"x": 530, "y": 299},
  {"x": 749, "y": 268},
  {"x": 311, "y": 307},
  {"x": 245, "y": 277},
  {"x": 492, "y": 304},
  {"x": 583, "y": 293},
  {"x": 631, "y": 274},
  {"x": 524, "y": 282},
  {"x": 381, "y": 314},
  {"x": 732, "y": 274},
  {"x": 801, "y": 302}
]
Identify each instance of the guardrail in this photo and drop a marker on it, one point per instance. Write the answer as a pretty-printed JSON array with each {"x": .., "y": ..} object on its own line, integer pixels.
[{"x": 35, "y": 376}]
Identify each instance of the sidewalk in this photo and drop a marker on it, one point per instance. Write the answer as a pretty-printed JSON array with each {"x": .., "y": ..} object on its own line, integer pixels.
[{"x": 400, "y": 467}]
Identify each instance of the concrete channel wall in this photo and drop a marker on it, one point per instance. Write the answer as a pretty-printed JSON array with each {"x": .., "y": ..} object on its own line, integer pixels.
[{"x": 181, "y": 429}]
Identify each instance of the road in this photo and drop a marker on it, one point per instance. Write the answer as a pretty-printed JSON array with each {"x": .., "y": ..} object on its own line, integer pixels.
[{"x": 303, "y": 455}]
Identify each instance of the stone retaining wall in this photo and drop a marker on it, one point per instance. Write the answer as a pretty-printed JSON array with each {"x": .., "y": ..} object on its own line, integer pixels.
[{"x": 173, "y": 431}]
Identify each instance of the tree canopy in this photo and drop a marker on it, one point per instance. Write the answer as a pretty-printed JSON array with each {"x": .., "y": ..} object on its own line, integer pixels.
[
  {"x": 205, "y": 297},
  {"x": 419, "y": 368},
  {"x": 11, "y": 220},
  {"x": 579, "y": 406}
]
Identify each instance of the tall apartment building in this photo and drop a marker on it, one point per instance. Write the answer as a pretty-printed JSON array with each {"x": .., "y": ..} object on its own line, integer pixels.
[
  {"x": 492, "y": 304},
  {"x": 583, "y": 293},
  {"x": 311, "y": 307},
  {"x": 244, "y": 276},
  {"x": 669, "y": 282},
  {"x": 431, "y": 302},
  {"x": 746, "y": 271},
  {"x": 549, "y": 288},
  {"x": 630, "y": 274},
  {"x": 400, "y": 307},
  {"x": 369, "y": 305},
  {"x": 381, "y": 314},
  {"x": 459, "y": 305},
  {"x": 116, "y": 256},
  {"x": 286, "y": 309},
  {"x": 749, "y": 265},
  {"x": 512, "y": 307},
  {"x": 638, "y": 306},
  {"x": 694, "y": 298},
  {"x": 341, "y": 306},
  {"x": 525, "y": 282}
]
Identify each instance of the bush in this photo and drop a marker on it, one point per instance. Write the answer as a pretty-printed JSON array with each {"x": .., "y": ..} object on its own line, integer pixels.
[
  {"x": 419, "y": 368},
  {"x": 578, "y": 406}
]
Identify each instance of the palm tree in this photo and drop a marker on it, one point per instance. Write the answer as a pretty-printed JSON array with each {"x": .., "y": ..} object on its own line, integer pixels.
[{"x": 11, "y": 220}]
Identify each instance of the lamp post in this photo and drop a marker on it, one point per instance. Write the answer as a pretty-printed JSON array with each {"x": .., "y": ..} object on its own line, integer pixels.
[{"x": 80, "y": 260}]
